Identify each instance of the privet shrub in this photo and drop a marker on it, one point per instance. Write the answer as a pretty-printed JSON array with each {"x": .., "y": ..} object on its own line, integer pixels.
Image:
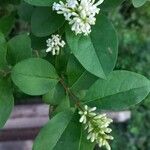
[{"x": 67, "y": 54}]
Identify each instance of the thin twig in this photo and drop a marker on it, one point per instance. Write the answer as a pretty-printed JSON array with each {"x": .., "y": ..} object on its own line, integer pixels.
[
  {"x": 77, "y": 101},
  {"x": 37, "y": 53}
]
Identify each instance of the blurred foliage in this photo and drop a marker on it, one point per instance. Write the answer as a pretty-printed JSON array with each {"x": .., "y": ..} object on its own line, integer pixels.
[
  {"x": 134, "y": 45},
  {"x": 134, "y": 54},
  {"x": 135, "y": 134},
  {"x": 133, "y": 26}
]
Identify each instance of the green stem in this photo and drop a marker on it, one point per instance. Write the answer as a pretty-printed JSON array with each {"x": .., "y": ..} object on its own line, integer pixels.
[
  {"x": 67, "y": 89},
  {"x": 37, "y": 53}
]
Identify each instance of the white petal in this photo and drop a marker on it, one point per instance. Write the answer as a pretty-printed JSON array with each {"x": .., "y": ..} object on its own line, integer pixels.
[
  {"x": 49, "y": 49},
  {"x": 89, "y": 136},
  {"x": 92, "y": 109},
  {"x": 86, "y": 107},
  {"x": 82, "y": 118},
  {"x": 80, "y": 112}
]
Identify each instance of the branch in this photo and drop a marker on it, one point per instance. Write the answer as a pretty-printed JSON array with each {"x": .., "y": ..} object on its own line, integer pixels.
[{"x": 77, "y": 101}]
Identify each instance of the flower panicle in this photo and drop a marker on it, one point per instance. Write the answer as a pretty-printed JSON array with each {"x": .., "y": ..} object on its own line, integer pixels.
[
  {"x": 54, "y": 44},
  {"x": 97, "y": 126},
  {"x": 79, "y": 13}
]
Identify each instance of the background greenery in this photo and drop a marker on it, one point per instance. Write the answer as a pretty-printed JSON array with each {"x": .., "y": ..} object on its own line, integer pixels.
[{"x": 134, "y": 54}]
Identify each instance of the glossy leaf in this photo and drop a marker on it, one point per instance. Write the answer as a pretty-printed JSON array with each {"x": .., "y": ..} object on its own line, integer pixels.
[
  {"x": 74, "y": 137},
  {"x": 52, "y": 131},
  {"x": 6, "y": 101},
  {"x": 34, "y": 76},
  {"x": 121, "y": 90},
  {"x": 69, "y": 134},
  {"x": 98, "y": 52}
]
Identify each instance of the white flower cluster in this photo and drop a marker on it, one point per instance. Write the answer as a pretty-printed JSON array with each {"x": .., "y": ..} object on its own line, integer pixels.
[
  {"x": 79, "y": 13},
  {"x": 97, "y": 126},
  {"x": 54, "y": 44}
]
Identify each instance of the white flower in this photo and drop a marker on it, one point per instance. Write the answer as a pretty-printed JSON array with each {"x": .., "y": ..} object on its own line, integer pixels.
[
  {"x": 54, "y": 44},
  {"x": 97, "y": 126},
  {"x": 79, "y": 13},
  {"x": 87, "y": 112}
]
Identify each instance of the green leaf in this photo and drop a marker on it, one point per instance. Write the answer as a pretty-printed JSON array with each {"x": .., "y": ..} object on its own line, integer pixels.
[
  {"x": 74, "y": 137},
  {"x": 78, "y": 77},
  {"x": 121, "y": 90},
  {"x": 63, "y": 105},
  {"x": 138, "y": 3},
  {"x": 69, "y": 134},
  {"x": 38, "y": 43},
  {"x": 108, "y": 4},
  {"x": 25, "y": 11},
  {"x": 3, "y": 51},
  {"x": 19, "y": 48},
  {"x": 61, "y": 60},
  {"x": 55, "y": 95},
  {"x": 2, "y": 38},
  {"x": 52, "y": 131},
  {"x": 98, "y": 52},
  {"x": 44, "y": 21},
  {"x": 7, "y": 23},
  {"x": 34, "y": 76},
  {"x": 6, "y": 101},
  {"x": 41, "y": 2}
]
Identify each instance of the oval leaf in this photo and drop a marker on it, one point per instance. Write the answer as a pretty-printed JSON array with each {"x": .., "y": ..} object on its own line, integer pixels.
[
  {"x": 52, "y": 131},
  {"x": 19, "y": 48},
  {"x": 98, "y": 52},
  {"x": 34, "y": 76},
  {"x": 44, "y": 22},
  {"x": 6, "y": 101},
  {"x": 74, "y": 137},
  {"x": 78, "y": 76},
  {"x": 121, "y": 90},
  {"x": 69, "y": 135}
]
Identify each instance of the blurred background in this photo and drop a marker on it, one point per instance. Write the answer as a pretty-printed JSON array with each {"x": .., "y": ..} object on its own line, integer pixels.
[{"x": 133, "y": 27}]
